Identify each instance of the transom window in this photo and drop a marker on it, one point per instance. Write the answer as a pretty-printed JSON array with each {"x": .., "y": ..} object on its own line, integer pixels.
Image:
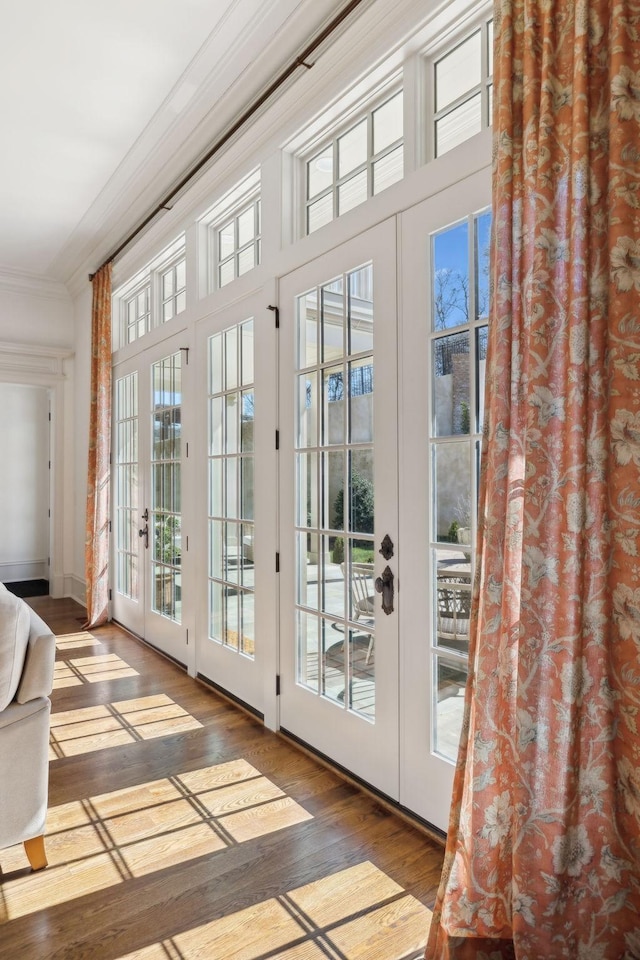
[
  {"x": 137, "y": 313},
  {"x": 173, "y": 289},
  {"x": 462, "y": 89},
  {"x": 154, "y": 295},
  {"x": 238, "y": 244},
  {"x": 233, "y": 233},
  {"x": 356, "y": 164}
]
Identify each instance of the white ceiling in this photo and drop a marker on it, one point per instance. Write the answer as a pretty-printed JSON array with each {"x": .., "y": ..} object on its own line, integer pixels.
[{"x": 103, "y": 105}]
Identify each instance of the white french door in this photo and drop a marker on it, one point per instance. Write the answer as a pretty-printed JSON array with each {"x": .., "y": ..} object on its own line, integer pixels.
[
  {"x": 338, "y": 496},
  {"x": 236, "y": 408},
  {"x": 150, "y": 450},
  {"x": 444, "y": 317}
]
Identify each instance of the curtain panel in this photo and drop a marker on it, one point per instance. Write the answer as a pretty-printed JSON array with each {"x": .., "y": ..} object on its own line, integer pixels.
[
  {"x": 99, "y": 472},
  {"x": 543, "y": 851}
]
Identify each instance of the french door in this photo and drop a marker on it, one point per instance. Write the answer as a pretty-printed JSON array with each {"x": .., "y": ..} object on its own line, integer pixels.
[
  {"x": 236, "y": 581},
  {"x": 149, "y": 541},
  {"x": 338, "y": 484},
  {"x": 381, "y": 400}
]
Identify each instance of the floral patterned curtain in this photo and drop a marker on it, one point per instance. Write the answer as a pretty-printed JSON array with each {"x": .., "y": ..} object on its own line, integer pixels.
[
  {"x": 96, "y": 551},
  {"x": 543, "y": 853}
]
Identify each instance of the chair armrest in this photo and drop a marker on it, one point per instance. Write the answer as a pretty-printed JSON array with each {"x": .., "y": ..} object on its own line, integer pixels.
[{"x": 37, "y": 676}]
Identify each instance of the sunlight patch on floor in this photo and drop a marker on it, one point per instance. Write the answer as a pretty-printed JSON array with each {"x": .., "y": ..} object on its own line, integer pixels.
[
  {"x": 355, "y": 914},
  {"x": 108, "y": 839},
  {"x": 79, "y": 670},
  {"x": 68, "y": 641},
  {"x": 116, "y": 724}
]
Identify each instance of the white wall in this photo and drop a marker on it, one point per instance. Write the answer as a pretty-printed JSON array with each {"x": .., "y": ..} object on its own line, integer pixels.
[
  {"x": 36, "y": 354},
  {"x": 24, "y": 482}
]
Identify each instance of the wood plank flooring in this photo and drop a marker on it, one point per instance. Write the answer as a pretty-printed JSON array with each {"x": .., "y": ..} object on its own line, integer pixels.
[{"x": 180, "y": 829}]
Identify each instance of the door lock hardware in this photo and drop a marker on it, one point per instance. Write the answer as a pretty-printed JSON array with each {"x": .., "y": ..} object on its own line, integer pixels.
[{"x": 384, "y": 585}]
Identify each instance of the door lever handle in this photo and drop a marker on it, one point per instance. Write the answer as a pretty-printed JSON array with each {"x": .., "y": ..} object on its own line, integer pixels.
[
  {"x": 145, "y": 533},
  {"x": 384, "y": 585}
]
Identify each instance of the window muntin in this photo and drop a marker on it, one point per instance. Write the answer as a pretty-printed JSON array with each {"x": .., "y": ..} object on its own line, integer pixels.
[
  {"x": 233, "y": 230},
  {"x": 153, "y": 296},
  {"x": 137, "y": 313},
  {"x": 238, "y": 244},
  {"x": 231, "y": 575},
  {"x": 458, "y": 346},
  {"x": 173, "y": 290},
  {"x": 462, "y": 89},
  {"x": 356, "y": 164}
]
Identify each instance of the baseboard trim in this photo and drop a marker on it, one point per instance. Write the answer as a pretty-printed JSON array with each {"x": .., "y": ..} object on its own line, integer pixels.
[{"x": 434, "y": 833}]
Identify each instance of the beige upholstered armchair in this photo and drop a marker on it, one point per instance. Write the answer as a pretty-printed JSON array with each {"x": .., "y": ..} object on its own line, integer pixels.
[{"x": 27, "y": 655}]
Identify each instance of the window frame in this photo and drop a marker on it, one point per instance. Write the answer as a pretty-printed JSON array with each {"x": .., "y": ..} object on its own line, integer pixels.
[
  {"x": 226, "y": 210},
  {"x": 148, "y": 277},
  {"x": 482, "y": 24},
  {"x": 330, "y": 137}
]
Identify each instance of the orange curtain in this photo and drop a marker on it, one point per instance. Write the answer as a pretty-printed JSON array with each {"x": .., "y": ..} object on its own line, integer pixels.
[
  {"x": 543, "y": 852},
  {"x": 96, "y": 551}
]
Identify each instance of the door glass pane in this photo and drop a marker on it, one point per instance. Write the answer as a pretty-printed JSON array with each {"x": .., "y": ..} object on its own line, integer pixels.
[
  {"x": 450, "y": 277},
  {"x": 308, "y": 329},
  {"x": 127, "y": 511},
  {"x": 482, "y": 251},
  {"x": 450, "y": 677},
  {"x": 451, "y": 371},
  {"x": 334, "y": 407},
  {"x": 360, "y": 318},
  {"x": 332, "y": 299},
  {"x": 458, "y": 358},
  {"x": 231, "y": 489},
  {"x": 165, "y": 520},
  {"x": 334, "y": 497},
  {"x": 452, "y": 486}
]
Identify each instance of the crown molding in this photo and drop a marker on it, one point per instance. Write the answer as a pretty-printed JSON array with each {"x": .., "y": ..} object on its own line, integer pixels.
[
  {"x": 26, "y": 362},
  {"x": 32, "y": 285}
]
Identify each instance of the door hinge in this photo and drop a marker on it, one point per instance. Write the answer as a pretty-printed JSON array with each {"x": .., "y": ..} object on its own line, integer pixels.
[
  {"x": 277, "y": 684},
  {"x": 187, "y": 448},
  {"x": 187, "y": 547},
  {"x": 277, "y": 563},
  {"x": 187, "y": 637},
  {"x": 109, "y": 526},
  {"x": 49, "y": 512},
  {"x": 48, "y": 561},
  {"x": 276, "y": 311},
  {"x": 49, "y": 417},
  {"x": 277, "y": 439},
  {"x": 49, "y": 464},
  {"x": 185, "y": 351},
  {"x": 110, "y": 594}
]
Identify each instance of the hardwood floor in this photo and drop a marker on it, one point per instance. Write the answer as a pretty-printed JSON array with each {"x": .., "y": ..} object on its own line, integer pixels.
[{"x": 180, "y": 829}]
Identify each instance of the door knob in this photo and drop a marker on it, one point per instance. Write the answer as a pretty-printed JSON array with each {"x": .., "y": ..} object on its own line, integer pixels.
[
  {"x": 145, "y": 533},
  {"x": 384, "y": 585}
]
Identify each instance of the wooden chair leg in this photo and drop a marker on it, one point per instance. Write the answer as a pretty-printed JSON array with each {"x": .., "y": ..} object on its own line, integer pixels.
[{"x": 36, "y": 855}]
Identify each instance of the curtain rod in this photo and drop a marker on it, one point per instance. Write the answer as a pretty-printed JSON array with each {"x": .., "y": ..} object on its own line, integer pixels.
[{"x": 300, "y": 61}]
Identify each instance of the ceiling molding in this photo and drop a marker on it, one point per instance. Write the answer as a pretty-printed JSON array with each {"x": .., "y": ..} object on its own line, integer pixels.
[
  {"x": 32, "y": 285},
  {"x": 20, "y": 362}
]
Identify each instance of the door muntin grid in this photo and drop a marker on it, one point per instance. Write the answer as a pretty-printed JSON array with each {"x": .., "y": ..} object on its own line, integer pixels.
[
  {"x": 334, "y": 509},
  {"x": 166, "y": 475},
  {"x": 458, "y": 342},
  {"x": 231, "y": 418},
  {"x": 126, "y": 486}
]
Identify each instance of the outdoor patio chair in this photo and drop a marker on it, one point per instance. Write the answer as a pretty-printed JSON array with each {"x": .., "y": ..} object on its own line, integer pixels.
[
  {"x": 454, "y": 604},
  {"x": 362, "y": 596}
]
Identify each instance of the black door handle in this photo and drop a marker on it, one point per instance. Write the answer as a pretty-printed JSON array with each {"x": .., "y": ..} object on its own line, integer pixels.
[{"x": 384, "y": 585}]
